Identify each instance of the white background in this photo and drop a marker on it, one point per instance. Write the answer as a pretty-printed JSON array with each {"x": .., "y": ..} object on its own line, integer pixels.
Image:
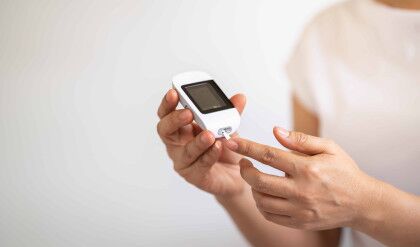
[{"x": 80, "y": 82}]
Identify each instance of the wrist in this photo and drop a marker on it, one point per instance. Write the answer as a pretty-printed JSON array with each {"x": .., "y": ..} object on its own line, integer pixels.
[
  {"x": 371, "y": 211},
  {"x": 234, "y": 199}
]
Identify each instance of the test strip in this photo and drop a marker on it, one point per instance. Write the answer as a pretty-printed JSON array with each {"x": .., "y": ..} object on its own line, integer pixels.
[{"x": 226, "y": 135}]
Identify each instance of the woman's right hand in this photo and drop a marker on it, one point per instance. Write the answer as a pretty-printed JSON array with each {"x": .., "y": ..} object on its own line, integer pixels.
[{"x": 197, "y": 156}]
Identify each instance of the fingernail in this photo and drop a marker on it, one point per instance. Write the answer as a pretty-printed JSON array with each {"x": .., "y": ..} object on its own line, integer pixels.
[
  {"x": 283, "y": 132},
  {"x": 168, "y": 95},
  {"x": 232, "y": 145}
]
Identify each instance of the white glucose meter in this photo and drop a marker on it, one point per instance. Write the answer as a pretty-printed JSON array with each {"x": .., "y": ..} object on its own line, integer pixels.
[{"x": 211, "y": 108}]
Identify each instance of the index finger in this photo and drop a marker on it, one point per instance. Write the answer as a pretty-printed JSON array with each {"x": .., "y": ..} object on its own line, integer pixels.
[
  {"x": 168, "y": 104},
  {"x": 271, "y": 156}
]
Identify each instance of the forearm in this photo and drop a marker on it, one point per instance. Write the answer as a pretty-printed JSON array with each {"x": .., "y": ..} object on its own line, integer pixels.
[
  {"x": 260, "y": 232},
  {"x": 393, "y": 216}
]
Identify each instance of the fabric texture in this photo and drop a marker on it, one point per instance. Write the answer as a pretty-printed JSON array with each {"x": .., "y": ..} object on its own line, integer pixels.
[{"x": 357, "y": 66}]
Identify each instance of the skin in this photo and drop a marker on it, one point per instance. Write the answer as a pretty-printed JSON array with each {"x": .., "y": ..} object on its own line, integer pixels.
[
  {"x": 257, "y": 231},
  {"x": 403, "y": 4},
  {"x": 209, "y": 165},
  {"x": 323, "y": 191},
  {"x": 197, "y": 156}
]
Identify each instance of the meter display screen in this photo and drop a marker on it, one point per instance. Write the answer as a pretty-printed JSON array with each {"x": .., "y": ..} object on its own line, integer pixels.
[{"x": 207, "y": 96}]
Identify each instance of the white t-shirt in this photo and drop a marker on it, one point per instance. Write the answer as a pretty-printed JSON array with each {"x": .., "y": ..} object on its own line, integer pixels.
[{"x": 357, "y": 66}]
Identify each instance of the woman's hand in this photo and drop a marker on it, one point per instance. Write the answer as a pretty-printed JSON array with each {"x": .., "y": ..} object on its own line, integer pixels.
[
  {"x": 323, "y": 187},
  {"x": 196, "y": 155}
]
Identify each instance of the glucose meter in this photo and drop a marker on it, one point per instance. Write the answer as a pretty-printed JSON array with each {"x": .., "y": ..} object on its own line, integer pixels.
[{"x": 211, "y": 108}]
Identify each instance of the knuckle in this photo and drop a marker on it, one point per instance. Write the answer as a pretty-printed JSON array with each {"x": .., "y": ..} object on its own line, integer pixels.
[
  {"x": 307, "y": 216},
  {"x": 307, "y": 199},
  {"x": 245, "y": 148},
  {"x": 295, "y": 165},
  {"x": 300, "y": 137},
  {"x": 260, "y": 183},
  {"x": 268, "y": 156},
  {"x": 312, "y": 170}
]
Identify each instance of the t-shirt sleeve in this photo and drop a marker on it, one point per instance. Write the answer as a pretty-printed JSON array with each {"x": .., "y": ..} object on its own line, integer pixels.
[{"x": 300, "y": 69}]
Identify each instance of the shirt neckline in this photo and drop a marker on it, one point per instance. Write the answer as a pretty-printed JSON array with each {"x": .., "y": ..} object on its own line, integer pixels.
[{"x": 394, "y": 10}]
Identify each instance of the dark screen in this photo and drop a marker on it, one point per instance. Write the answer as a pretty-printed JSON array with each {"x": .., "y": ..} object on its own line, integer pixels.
[{"x": 207, "y": 96}]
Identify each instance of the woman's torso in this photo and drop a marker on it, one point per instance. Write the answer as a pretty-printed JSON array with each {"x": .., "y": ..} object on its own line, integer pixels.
[{"x": 362, "y": 68}]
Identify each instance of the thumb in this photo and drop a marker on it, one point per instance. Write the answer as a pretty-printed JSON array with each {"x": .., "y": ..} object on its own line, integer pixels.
[
  {"x": 303, "y": 143},
  {"x": 239, "y": 101}
]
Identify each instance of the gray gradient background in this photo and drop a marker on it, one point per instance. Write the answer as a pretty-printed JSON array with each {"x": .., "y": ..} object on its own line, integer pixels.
[{"x": 80, "y": 81}]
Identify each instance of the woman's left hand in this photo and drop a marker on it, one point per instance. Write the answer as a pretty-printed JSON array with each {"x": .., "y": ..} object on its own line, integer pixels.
[{"x": 323, "y": 187}]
